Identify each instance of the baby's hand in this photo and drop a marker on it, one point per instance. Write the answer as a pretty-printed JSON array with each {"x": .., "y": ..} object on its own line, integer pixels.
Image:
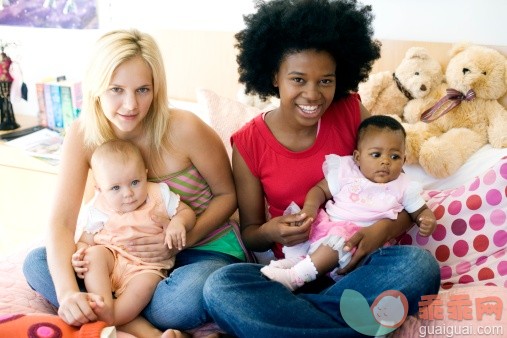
[
  {"x": 427, "y": 223},
  {"x": 96, "y": 302},
  {"x": 78, "y": 263},
  {"x": 307, "y": 214},
  {"x": 176, "y": 235}
]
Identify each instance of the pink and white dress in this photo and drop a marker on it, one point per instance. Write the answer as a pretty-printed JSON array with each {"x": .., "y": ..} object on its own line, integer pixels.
[{"x": 357, "y": 202}]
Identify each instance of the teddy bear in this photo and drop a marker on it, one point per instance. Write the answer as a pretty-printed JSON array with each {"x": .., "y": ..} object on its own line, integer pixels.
[
  {"x": 467, "y": 117},
  {"x": 413, "y": 87}
]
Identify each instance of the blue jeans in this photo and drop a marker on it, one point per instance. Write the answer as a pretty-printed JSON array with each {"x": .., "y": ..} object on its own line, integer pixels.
[
  {"x": 177, "y": 302},
  {"x": 245, "y": 303}
]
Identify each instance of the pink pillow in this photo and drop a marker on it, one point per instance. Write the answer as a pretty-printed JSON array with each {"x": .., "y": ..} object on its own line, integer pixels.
[
  {"x": 226, "y": 115},
  {"x": 470, "y": 241}
]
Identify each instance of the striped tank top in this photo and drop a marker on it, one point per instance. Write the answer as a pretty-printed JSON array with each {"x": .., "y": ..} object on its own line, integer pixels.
[{"x": 196, "y": 193}]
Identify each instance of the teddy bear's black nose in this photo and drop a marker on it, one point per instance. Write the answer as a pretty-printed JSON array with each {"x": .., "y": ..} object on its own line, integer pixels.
[
  {"x": 466, "y": 70},
  {"x": 423, "y": 88}
]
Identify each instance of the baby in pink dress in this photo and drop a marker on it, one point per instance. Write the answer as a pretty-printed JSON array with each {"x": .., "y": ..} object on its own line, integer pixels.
[{"x": 360, "y": 190}]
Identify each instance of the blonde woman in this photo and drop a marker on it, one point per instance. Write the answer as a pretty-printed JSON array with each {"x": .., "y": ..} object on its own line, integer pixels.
[{"x": 125, "y": 97}]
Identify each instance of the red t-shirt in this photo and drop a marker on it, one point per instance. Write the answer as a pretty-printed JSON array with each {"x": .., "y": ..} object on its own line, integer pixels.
[{"x": 286, "y": 175}]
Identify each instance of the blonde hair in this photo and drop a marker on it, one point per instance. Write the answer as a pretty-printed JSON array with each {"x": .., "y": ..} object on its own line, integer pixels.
[
  {"x": 110, "y": 51},
  {"x": 115, "y": 150}
]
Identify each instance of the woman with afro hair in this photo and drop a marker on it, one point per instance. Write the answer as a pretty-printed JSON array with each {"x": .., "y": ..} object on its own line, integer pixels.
[{"x": 311, "y": 54}]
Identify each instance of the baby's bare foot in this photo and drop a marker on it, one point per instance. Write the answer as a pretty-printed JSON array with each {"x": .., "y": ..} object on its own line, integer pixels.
[{"x": 175, "y": 334}]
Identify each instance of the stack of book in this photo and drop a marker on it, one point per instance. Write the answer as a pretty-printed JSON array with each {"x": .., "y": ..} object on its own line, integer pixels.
[{"x": 60, "y": 102}]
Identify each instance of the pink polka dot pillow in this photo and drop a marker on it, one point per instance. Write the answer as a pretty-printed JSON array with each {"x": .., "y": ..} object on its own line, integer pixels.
[{"x": 470, "y": 241}]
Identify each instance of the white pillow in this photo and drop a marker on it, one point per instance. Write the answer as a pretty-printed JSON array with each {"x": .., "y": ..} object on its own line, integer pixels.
[{"x": 226, "y": 115}]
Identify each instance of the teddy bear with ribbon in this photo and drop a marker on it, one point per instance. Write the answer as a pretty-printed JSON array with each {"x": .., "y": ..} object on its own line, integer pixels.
[
  {"x": 406, "y": 92},
  {"x": 467, "y": 117}
]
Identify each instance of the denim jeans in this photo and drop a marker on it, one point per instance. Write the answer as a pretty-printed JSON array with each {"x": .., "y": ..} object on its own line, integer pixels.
[
  {"x": 245, "y": 303},
  {"x": 178, "y": 299}
]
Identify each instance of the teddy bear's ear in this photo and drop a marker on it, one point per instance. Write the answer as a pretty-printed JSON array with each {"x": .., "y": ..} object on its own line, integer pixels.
[
  {"x": 458, "y": 48},
  {"x": 417, "y": 52}
]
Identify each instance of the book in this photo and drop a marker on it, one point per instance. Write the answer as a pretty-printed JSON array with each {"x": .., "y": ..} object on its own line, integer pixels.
[
  {"x": 49, "y": 106},
  {"x": 44, "y": 144},
  {"x": 71, "y": 100},
  {"x": 41, "y": 115},
  {"x": 56, "y": 104},
  {"x": 66, "y": 102},
  {"x": 77, "y": 98}
]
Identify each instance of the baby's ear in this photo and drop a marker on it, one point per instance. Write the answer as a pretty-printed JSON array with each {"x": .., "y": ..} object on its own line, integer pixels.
[{"x": 355, "y": 156}]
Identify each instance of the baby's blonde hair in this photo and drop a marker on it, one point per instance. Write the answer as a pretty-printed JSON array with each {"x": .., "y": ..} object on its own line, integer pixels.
[
  {"x": 115, "y": 150},
  {"x": 111, "y": 50}
]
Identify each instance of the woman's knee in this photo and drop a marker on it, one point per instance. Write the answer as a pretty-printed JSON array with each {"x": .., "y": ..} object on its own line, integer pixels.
[
  {"x": 423, "y": 259},
  {"x": 213, "y": 282},
  {"x": 230, "y": 276},
  {"x": 420, "y": 265},
  {"x": 35, "y": 263},
  {"x": 216, "y": 286}
]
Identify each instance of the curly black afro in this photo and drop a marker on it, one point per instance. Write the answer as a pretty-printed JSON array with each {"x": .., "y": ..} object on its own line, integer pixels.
[{"x": 281, "y": 27}]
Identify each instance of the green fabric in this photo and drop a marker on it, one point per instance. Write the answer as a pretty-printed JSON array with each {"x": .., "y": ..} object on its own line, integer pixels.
[{"x": 227, "y": 243}]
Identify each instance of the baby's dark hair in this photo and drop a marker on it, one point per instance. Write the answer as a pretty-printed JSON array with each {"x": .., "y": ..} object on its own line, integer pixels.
[
  {"x": 380, "y": 122},
  {"x": 282, "y": 27}
]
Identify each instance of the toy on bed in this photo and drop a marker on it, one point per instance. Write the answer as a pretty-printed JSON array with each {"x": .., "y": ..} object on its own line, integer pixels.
[
  {"x": 465, "y": 119},
  {"x": 414, "y": 86},
  {"x": 50, "y": 326}
]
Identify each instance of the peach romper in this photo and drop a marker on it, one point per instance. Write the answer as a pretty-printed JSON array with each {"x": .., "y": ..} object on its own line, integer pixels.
[{"x": 113, "y": 230}]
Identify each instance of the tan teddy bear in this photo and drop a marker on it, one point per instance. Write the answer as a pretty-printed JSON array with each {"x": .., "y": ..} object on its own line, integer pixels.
[
  {"x": 465, "y": 119},
  {"x": 407, "y": 92}
]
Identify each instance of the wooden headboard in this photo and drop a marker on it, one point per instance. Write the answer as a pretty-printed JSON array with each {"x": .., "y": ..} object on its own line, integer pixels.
[{"x": 207, "y": 59}]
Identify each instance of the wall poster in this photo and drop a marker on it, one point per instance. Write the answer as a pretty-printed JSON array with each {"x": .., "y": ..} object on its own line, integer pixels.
[{"x": 69, "y": 14}]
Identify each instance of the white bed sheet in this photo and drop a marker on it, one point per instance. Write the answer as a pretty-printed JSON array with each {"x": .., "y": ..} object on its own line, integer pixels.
[{"x": 481, "y": 161}]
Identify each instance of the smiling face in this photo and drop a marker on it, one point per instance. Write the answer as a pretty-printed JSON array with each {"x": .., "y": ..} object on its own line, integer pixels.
[
  {"x": 380, "y": 154},
  {"x": 306, "y": 82},
  {"x": 128, "y": 97}
]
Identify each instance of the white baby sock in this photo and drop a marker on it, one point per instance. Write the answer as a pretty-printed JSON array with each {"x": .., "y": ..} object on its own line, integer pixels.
[
  {"x": 285, "y": 263},
  {"x": 293, "y": 278},
  {"x": 305, "y": 270}
]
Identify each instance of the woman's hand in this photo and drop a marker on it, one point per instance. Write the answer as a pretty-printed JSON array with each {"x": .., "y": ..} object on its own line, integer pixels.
[
  {"x": 289, "y": 230},
  {"x": 365, "y": 241},
  {"x": 369, "y": 239},
  {"x": 152, "y": 249},
  {"x": 78, "y": 263},
  {"x": 77, "y": 308}
]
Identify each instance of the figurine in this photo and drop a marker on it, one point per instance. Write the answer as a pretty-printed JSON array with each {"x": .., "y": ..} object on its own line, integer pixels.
[{"x": 7, "y": 119}]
